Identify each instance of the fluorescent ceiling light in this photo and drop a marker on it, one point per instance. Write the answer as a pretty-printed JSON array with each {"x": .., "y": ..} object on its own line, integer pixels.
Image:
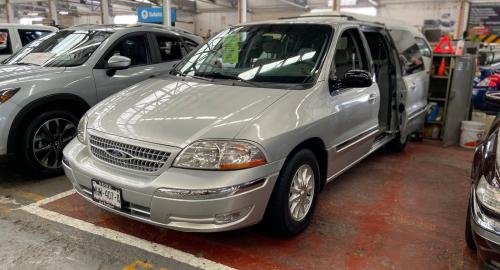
[
  {"x": 63, "y": 12},
  {"x": 33, "y": 14}
]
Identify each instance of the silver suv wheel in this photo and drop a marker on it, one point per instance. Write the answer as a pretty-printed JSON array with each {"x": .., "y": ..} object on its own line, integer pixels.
[{"x": 49, "y": 141}]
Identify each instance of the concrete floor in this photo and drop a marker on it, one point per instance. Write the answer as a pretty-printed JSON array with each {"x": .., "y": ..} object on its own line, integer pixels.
[{"x": 392, "y": 211}]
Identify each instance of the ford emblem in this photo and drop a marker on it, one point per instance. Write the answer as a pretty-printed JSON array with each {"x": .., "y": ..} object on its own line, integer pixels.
[{"x": 116, "y": 153}]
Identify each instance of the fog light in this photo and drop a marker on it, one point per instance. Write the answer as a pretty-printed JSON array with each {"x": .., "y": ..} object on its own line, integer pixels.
[{"x": 232, "y": 216}]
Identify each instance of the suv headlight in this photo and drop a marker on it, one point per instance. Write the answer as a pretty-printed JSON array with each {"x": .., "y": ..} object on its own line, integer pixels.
[
  {"x": 488, "y": 194},
  {"x": 81, "y": 132},
  {"x": 220, "y": 155},
  {"x": 7, "y": 93}
]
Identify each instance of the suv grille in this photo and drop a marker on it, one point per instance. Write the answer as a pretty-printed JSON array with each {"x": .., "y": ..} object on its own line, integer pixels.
[{"x": 127, "y": 156}]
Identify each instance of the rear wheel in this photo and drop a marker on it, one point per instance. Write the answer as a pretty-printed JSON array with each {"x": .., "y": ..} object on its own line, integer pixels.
[
  {"x": 43, "y": 141},
  {"x": 292, "y": 203}
]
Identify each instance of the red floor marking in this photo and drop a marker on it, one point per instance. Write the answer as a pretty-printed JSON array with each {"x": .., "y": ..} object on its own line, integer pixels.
[{"x": 392, "y": 211}]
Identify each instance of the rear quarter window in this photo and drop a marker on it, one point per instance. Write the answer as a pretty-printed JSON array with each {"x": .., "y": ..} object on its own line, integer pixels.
[
  {"x": 410, "y": 55},
  {"x": 5, "y": 44}
]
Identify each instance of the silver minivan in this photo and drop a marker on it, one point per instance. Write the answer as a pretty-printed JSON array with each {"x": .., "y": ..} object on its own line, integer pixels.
[{"x": 251, "y": 125}]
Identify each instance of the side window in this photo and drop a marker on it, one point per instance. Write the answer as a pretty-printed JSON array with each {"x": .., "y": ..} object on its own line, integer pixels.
[
  {"x": 5, "y": 46},
  {"x": 170, "y": 48},
  {"x": 27, "y": 36},
  {"x": 424, "y": 48},
  {"x": 135, "y": 48},
  {"x": 350, "y": 53},
  {"x": 409, "y": 53}
]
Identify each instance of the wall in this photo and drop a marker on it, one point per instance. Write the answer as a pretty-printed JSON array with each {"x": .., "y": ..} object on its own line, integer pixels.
[
  {"x": 259, "y": 15},
  {"x": 417, "y": 11},
  {"x": 215, "y": 21}
]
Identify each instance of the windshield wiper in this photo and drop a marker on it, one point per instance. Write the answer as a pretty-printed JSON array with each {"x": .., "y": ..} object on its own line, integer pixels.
[
  {"x": 230, "y": 77},
  {"x": 176, "y": 72},
  {"x": 25, "y": 64}
]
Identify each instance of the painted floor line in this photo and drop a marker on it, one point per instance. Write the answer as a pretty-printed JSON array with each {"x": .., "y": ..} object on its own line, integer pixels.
[{"x": 123, "y": 238}]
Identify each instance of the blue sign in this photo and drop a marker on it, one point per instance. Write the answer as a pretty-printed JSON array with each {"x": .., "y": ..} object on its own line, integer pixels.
[
  {"x": 150, "y": 15},
  {"x": 154, "y": 14}
]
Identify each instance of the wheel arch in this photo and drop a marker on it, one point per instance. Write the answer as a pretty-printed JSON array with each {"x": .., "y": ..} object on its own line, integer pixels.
[
  {"x": 66, "y": 102},
  {"x": 317, "y": 146}
]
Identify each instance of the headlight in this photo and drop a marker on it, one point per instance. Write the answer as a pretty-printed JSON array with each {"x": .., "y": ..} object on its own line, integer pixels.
[
  {"x": 81, "y": 133},
  {"x": 7, "y": 93},
  {"x": 488, "y": 195},
  {"x": 220, "y": 155}
]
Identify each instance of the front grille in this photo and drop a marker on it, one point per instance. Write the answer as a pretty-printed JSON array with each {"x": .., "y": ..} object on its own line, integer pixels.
[{"x": 138, "y": 158}]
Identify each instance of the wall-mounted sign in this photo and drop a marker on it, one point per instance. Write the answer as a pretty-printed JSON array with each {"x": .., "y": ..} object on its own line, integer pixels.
[
  {"x": 484, "y": 20},
  {"x": 154, "y": 14}
]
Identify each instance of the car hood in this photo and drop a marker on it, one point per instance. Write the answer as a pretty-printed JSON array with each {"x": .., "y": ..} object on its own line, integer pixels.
[
  {"x": 176, "y": 113},
  {"x": 23, "y": 72}
]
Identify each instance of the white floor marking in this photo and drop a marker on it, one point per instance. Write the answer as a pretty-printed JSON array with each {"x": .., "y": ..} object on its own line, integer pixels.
[{"x": 123, "y": 238}]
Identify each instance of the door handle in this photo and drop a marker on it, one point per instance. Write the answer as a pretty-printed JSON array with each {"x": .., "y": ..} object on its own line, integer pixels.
[
  {"x": 372, "y": 97},
  {"x": 152, "y": 76}
]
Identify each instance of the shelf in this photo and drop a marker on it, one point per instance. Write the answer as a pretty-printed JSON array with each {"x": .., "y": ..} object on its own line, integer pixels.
[
  {"x": 437, "y": 99},
  {"x": 443, "y": 55},
  {"x": 439, "y": 77}
]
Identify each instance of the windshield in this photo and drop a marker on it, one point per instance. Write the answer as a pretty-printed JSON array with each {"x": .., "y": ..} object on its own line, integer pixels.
[
  {"x": 274, "y": 53},
  {"x": 62, "y": 49}
]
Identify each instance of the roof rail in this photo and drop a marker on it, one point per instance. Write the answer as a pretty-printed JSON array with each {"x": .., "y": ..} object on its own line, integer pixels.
[
  {"x": 161, "y": 26},
  {"x": 320, "y": 16}
]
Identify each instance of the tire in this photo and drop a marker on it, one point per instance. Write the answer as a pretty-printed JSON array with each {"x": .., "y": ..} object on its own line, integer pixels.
[
  {"x": 44, "y": 138},
  {"x": 397, "y": 144},
  {"x": 279, "y": 217},
  {"x": 469, "y": 238}
]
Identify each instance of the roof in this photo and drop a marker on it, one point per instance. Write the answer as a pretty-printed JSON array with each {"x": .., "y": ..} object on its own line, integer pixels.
[{"x": 119, "y": 27}]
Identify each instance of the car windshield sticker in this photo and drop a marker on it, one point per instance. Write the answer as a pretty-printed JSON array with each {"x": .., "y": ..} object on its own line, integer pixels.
[
  {"x": 37, "y": 58},
  {"x": 230, "y": 49}
]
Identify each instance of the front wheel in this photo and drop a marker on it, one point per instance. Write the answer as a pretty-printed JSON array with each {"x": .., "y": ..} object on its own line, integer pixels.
[
  {"x": 44, "y": 139},
  {"x": 294, "y": 196}
]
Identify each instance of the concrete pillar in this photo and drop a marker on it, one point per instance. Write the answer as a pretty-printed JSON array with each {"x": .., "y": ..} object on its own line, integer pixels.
[
  {"x": 242, "y": 11},
  {"x": 335, "y": 5},
  {"x": 167, "y": 17},
  {"x": 10, "y": 11},
  {"x": 53, "y": 11},
  {"x": 105, "y": 16}
]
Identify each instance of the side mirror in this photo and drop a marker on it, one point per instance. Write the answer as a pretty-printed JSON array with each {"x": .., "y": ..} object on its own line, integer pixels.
[
  {"x": 117, "y": 62},
  {"x": 356, "y": 79}
]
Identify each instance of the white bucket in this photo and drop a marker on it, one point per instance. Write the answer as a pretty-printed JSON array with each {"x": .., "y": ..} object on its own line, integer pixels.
[{"x": 472, "y": 133}]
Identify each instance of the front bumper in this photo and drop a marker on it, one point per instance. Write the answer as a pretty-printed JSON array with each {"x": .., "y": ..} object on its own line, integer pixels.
[
  {"x": 486, "y": 233},
  {"x": 180, "y": 199}
]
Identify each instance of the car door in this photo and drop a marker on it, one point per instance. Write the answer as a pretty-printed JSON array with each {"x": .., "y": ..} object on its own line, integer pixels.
[
  {"x": 415, "y": 81},
  {"x": 355, "y": 110},
  {"x": 135, "y": 46}
]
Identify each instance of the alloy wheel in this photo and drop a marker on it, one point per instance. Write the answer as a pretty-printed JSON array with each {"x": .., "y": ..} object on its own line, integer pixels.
[
  {"x": 301, "y": 192},
  {"x": 50, "y": 139}
]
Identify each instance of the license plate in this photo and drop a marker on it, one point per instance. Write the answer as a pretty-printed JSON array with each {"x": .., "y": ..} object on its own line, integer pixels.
[{"x": 106, "y": 194}]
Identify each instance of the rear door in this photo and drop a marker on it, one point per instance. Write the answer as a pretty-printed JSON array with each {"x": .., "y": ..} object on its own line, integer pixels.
[
  {"x": 167, "y": 50},
  {"x": 412, "y": 91}
]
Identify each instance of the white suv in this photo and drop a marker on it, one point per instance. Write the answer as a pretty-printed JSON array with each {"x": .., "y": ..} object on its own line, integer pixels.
[{"x": 15, "y": 36}]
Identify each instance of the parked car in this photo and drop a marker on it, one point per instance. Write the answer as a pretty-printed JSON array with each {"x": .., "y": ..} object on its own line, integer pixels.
[
  {"x": 482, "y": 229},
  {"x": 48, "y": 85},
  {"x": 15, "y": 36},
  {"x": 251, "y": 125}
]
